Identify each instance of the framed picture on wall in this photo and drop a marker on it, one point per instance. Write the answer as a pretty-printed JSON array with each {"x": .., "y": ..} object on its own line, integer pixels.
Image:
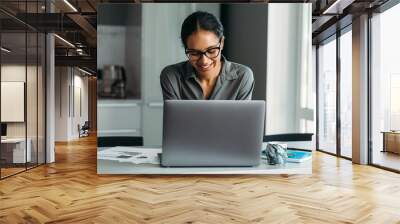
[{"x": 12, "y": 101}]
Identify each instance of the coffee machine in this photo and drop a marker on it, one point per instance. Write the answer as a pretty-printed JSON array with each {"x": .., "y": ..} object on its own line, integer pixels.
[{"x": 112, "y": 82}]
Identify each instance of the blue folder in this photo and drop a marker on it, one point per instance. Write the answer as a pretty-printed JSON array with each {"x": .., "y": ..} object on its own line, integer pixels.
[{"x": 297, "y": 156}]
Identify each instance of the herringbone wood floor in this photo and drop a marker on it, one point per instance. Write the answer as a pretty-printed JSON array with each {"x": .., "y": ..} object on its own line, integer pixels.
[{"x": 70, "y": 191}]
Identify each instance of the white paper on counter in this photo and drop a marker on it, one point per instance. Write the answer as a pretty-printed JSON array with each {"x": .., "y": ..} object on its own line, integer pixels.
[{"x": 135, "y": 155}]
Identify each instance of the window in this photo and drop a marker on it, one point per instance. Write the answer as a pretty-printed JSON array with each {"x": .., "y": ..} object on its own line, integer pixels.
[
  {"x": 327, "y": 97},
  {"x": 346, "y": 94},
  {"x": 385, "y": 88},
  {"x": 394, "y": 102}
]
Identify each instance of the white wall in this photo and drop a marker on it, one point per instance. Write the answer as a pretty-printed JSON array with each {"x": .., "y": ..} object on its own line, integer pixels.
[
  {"x": 70, "y": 83},
  {"x": 17, "y": 73},
  {"x": 79, "y": 117},
  {"x": 111, "y": 54},
  {"x": 14, "y": 73},
  {"x": 61, "y": 103},
  {"x": 290, "y": 83},
  {"x": 33, "y": 125}
]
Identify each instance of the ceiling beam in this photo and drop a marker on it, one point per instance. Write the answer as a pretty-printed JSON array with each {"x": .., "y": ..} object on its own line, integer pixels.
[
  {"x": 337, "y": 7},
  {"x": 321, "y": 20},
  {"x": 81, "y": 61},
  {"x": 84, "y": 24}
]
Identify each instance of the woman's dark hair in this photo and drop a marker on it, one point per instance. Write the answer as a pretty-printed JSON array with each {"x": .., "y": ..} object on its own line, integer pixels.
[{"x": 200, "y": 20}]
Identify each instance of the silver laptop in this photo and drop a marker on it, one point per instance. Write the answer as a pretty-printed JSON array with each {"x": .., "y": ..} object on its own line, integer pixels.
[{"x": 212, "y": 133}]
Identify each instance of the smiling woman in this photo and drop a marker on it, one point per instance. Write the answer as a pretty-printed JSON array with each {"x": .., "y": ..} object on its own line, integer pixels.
[{"x": 207, "y": 74}]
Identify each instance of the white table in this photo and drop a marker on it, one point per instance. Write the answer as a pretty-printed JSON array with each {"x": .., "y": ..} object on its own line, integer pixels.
[
  {"x": 107, "y": 165},
  {"x": 18, "y": 154}
]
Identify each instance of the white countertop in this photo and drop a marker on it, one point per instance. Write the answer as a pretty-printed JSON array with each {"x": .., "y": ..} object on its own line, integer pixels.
[{"x": 108, "y": 165}]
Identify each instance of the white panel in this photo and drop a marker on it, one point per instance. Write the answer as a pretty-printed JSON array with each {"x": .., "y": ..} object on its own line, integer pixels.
[
  {"x": 119, "y": 118},
  {"x": 12, "y": 101},
  {"x": 77, "y": 112}
]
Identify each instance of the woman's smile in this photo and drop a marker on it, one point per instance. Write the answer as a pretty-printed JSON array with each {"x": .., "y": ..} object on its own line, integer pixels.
[{"x": 205, "y": 67}]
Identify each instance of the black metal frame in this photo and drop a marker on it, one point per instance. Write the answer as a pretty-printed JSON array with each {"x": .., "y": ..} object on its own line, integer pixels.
[
  {"x": 44, "y": 75},
  {"x": 26, "y": 89},
  {"x": 317, "y": 97},
  {"x": 37, "y": 91},
  {"x": 0, "y": 91},
  {"x": 338, "y": 98},
  {"x": 289, "y": 137},
  {"x": 45, "y": 91},
  {"x": 119, "y": 141},
  {"x": 339, "y": 32},
  {"x": 369, "y": 114}
]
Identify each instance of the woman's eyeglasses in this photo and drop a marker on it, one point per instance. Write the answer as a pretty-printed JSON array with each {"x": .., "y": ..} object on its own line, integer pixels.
[{"x": 211, "y": 52}]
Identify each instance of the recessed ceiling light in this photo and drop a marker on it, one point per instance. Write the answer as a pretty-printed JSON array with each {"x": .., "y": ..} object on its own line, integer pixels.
[
  {"x": 5, "y": 50},
  {"x": 84, "y": 71},
  {"x": 65, "y": 41},
  {"x": 70, "y": 5}
]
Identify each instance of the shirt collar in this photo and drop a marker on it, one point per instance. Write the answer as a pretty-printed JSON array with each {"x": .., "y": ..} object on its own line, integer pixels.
[{"x": 226, "y": 71}]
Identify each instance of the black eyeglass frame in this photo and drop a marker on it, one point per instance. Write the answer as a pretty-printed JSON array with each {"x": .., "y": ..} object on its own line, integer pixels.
[{"x": 201, "y": 53}]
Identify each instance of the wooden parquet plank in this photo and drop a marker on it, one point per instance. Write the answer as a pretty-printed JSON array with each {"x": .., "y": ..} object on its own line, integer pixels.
[{"x": 70, "y": 191}]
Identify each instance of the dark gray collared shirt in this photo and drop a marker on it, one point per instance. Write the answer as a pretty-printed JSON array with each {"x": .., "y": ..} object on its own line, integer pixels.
[{"x": 179, "y": 82}]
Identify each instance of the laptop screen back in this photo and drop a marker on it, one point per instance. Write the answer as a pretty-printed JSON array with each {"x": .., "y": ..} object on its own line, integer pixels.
[{"x": 212, "y": 133}]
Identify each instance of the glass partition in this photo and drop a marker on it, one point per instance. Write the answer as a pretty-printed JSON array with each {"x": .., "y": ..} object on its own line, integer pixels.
[
  {"x": 32, "y": 95},
  {"x": 14, "y": 153},
  {"x": 41, "y": 111},
  {"x": 22, "y": 87},
  {"x": 32, "y": 86}
]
